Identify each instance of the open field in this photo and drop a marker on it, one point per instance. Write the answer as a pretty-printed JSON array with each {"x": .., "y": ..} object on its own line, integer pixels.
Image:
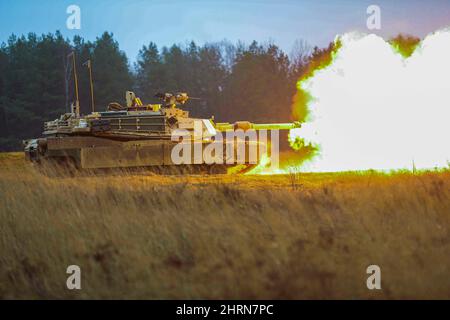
[{"x": 149, "y": 236}]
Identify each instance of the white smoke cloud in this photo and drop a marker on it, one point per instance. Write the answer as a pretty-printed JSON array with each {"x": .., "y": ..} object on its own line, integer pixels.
[{"x": 374, "y": 109}]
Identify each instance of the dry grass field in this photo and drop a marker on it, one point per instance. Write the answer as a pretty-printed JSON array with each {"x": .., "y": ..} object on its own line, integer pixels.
[{"x": 298, "y": 236}]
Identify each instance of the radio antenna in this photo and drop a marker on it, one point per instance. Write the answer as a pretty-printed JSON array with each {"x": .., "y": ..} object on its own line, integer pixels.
[
  {"x": 75, "y": 76},
  {"x": 89, "y": 65}
]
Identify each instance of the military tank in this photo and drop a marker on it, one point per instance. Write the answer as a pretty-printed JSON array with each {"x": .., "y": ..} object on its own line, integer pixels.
[{"x": 141, "y": 135}]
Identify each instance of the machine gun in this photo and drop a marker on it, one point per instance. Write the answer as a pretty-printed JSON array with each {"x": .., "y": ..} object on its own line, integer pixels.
[{"x": 172, "y": 100}]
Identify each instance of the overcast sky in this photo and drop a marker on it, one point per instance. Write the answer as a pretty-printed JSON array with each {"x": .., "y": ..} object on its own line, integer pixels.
[{"x": 137, "y": 22}]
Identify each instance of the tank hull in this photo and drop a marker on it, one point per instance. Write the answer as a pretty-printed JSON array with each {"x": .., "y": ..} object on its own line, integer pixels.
[{"x": 89, "y": 152}]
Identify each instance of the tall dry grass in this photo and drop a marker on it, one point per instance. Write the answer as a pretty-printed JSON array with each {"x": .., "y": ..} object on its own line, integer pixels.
[{"x": 156, "y": 237}]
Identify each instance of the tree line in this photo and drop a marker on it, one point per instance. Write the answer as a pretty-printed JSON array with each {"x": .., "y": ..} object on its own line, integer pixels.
[
  {"x": 254, "y": 82},
  {"x": 232, "y": 82}
]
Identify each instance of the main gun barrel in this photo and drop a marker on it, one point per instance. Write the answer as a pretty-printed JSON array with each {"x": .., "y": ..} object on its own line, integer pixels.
[{"x": 245, "y": 125}]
